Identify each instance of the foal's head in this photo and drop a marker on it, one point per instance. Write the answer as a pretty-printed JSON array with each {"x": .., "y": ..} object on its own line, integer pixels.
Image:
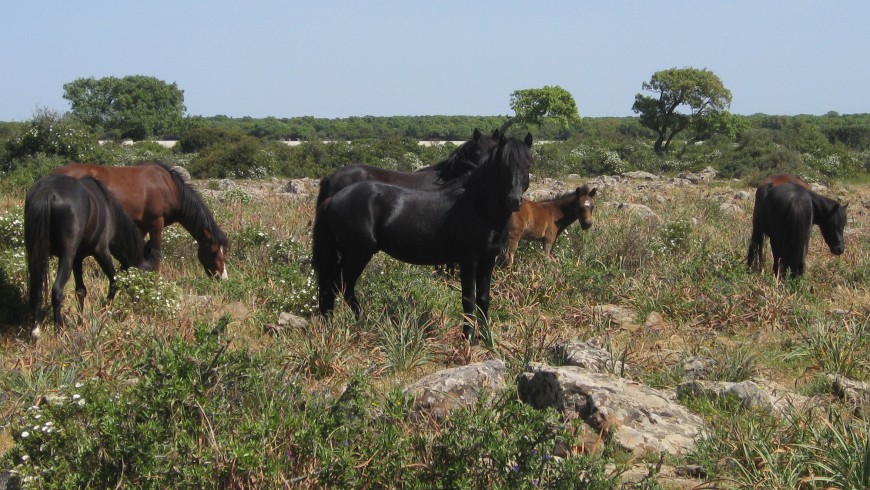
[{"x": 583, "y": 199}]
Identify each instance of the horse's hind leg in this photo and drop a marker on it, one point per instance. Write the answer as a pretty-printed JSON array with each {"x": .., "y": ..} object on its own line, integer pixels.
[
  {"x": 351, "y": 269},
  {"x": 81, "y": 290},
  {"x": 64, "y": 269}
]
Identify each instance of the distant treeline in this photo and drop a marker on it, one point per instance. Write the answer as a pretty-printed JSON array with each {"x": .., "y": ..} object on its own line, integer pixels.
[
  {"x": 817, "y": 148},
  {"x": 852, "y": 130}
]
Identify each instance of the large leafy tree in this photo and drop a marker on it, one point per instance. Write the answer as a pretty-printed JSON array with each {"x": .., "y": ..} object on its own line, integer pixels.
[
  {"x": 136, "y": 107},
  {"x": 699, "y": 91},
  {"x": 532, "y": 106}
]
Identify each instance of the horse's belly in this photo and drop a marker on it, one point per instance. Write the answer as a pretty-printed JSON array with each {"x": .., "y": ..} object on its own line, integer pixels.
[{"x": 420, "y": 253}]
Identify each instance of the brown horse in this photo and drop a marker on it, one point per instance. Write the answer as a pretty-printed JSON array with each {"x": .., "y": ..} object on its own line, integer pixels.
[
  {"x": 544, "y": 221},
  {"x": 155, "y": 197},
  {"x": 755, "y": 259}
]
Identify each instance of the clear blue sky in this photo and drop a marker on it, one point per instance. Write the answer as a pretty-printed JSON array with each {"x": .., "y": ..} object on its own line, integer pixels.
[{"x": 332, "y": 59}]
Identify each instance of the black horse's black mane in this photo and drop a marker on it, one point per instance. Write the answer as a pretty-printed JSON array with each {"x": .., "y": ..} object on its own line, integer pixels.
[{"x": 459, "y": 161}]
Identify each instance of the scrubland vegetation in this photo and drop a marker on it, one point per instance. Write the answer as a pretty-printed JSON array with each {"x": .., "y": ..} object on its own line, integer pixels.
[{"x": 188, "y": 382}]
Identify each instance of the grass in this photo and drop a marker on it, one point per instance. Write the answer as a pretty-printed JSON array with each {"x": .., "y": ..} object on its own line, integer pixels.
[{"x": 186, "y": 387}]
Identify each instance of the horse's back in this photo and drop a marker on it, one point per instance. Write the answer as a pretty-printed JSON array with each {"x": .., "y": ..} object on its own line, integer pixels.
[
  {"x": 145, "y": 191},
  {"x": 407, "y": 224}
]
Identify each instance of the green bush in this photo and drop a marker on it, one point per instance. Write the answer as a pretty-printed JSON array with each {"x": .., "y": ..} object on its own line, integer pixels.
[{"x": 51, "y": 133}]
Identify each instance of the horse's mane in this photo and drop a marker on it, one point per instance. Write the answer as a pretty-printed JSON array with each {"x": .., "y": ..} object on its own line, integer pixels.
[
  {"x": 127, "y": 240},
  {"x": 194, "y": 213},
  {"x": 459, "y": 162}
]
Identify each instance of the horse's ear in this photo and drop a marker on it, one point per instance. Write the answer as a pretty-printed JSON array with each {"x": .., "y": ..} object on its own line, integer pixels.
[
  {"x": 593, "y": 192},
  {"x": 502, "y": 139},
  {"x": 476, "y": 135},
  {"x": 495, "y": 134},
  {"x": 578, "y": 191},
  {"x": 528, "y": 140}
]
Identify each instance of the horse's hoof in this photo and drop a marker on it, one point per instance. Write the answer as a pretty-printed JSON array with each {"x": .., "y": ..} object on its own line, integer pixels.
[{"x": 35, "y": 333}]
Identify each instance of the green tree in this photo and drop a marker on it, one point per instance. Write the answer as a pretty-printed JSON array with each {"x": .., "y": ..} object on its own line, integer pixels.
[
  {"x": 532, "y": 106},
  {"x": 136, "y": 107},
  {"x": 699, "y": 90}
]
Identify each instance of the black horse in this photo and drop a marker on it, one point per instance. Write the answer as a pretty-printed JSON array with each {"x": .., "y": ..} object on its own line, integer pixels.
[
  {"x": 464, "y": 223},
  {"x": 786, "y": 213},
  {"x": 73, "y": 219},
  {"x": 460, "y": 162}
]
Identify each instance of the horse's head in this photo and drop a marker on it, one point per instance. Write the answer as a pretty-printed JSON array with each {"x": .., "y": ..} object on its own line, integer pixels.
[
  {"x": 514, "y": 159},
  {"x": 585, "y": 202},
  {"x": 469, "y": 155},
  {"x": 212, "y": 253},
  {"x": 832, "y": 228}
]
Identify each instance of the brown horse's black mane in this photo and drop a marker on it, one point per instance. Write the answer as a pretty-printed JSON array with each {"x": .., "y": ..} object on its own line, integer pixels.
[{"x": 194, "y": 214}]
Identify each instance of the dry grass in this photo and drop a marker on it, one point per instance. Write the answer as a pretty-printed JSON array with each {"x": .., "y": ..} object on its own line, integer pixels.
[{"x": 686, "y": 265}]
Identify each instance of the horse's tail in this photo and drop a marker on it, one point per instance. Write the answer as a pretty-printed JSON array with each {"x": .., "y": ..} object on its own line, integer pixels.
[
  {"x": 324, "y": 191},
  {"x": 755, "y": 255},
  {"x": 37, "y": 243},
  {"x": 324, "y": 258}
]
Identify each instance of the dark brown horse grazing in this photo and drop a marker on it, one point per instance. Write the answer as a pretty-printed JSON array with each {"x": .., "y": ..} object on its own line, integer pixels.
[
  {"x": 786, "y": 214},
  {"x": 544, "y": 221},
  {"x": 155, "y": 197},
  {"x": 73, "y": 219},
  {"x": 459, "y": 164}
]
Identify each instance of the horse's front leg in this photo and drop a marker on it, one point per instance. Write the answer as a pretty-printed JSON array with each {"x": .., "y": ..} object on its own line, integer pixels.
[
  {"x": 468, "y": 275},
  {"x": 153, "y": 245},
  {"x": 484, "y": 280},
  {"x": 104, "y": 259}
]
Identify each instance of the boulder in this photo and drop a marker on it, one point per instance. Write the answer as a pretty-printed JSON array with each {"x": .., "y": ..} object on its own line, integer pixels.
[
  {"x": 854, "y": 393},
  {"x": 756, "y": 394},
  {"x": 302, "y": 186},
  {"x": 639, "y": 418},
  {"x": 437, "y": 394},
  {"x": 640, "y": 175},
  {"x": 588, "y": 356}
]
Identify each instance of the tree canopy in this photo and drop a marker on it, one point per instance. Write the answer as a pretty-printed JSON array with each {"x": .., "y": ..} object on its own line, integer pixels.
[
  {"x": 699, "y": 90},
  {"x": 136, "y": 107},
  {"x": 532, "y": 106}
]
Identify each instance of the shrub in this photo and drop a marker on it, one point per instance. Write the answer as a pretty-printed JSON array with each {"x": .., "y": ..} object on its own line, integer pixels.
[{"x": 53, "y": 134}]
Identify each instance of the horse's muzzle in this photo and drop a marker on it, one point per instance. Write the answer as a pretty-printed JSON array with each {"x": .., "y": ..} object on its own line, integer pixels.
[
  {"x": 514, "y": 204},
  {"x": 837, "y": 250},
  {"x": 585, "y": 226}
]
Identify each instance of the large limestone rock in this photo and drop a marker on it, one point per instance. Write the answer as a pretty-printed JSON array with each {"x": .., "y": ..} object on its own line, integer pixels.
[
  {"x": 640, "y": 418},
  {"x": 855, "y": 393},
  {"x": 588, "y": 356},
  {"x": 439, "y": 393},
  {"x": 757, "y": 394}
]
